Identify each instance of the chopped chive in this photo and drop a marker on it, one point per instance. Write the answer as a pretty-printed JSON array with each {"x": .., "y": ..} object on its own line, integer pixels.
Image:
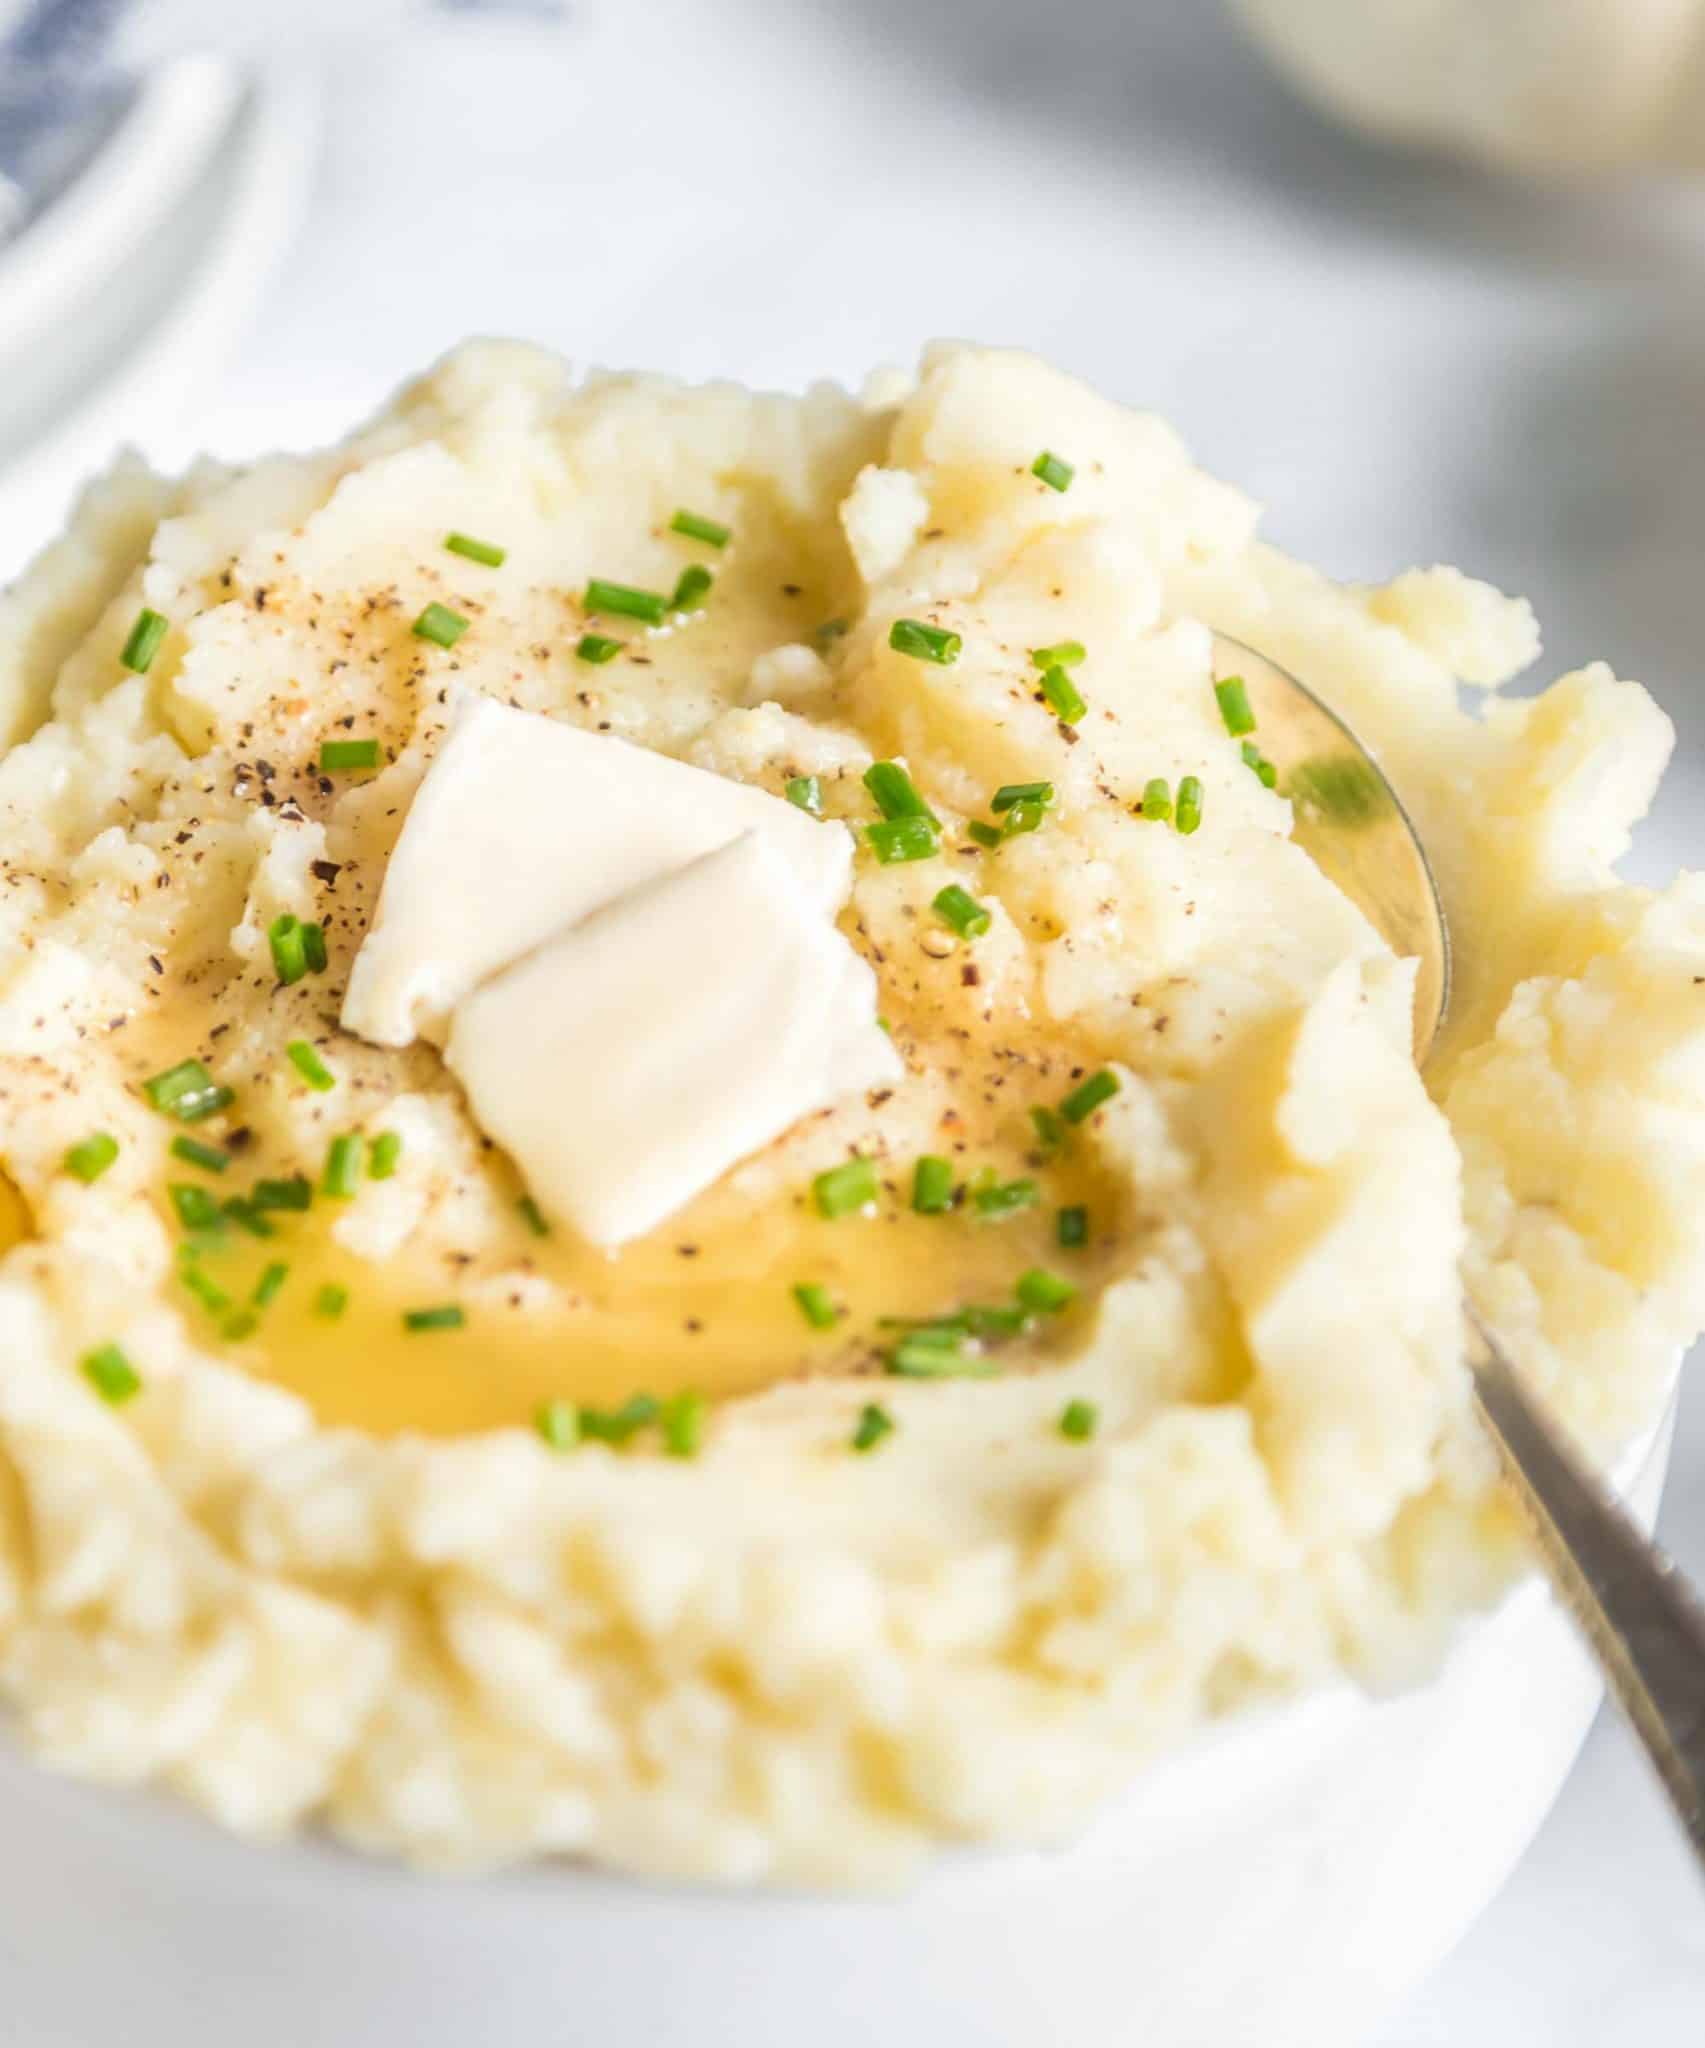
[
  {"x": 1189, "y": 813},
  {"x": 90, "y": 1157},
  {"x": 1258, "y": 764},
  {"x": 896, "y": 794},
  {"x": 294, "y": 1193},
  {"x": 533, "y": 1216},
  {"x": 289, "y": 949},
  {"x": 893, "y": 840},
  {"x": 314, "y": 947},
  {"x": 439, "y": 624},
  {"x": 558, "y": 1422},
  {"x": 1011, "y": 794},
  {"x": 597, "y": 648},
  {"x": 914, "y": 1358},
  {"x": 616, "y": 1425},
  {"x": 1045, "y": 1292},
  {"x": 932, "y": 1186},
  {"x": 1024, "y": 816},
  {"x": 1054, "y": 471},
  {"x": 247, "y": 1217},
  {"x": 202, "y": 1285},
  {"x": 874, "y": 1423},
  {"x": 111, "y": 1374},
  {"x": 1157, "y": 799},
  {"x": 1088, "y": 1096},
  {"x": 1049, "y": 1126},
  {"x": 829, "y": 631},
  {"x": 310, "y": 1066},
  {"x": 960, "y": 909},
  {"x": 243, "y": 1324},
  {"x": 806, "y": 792},
  {"x": 846, "y": 1188},
  {"x": 1071, "y": 1228},
  {"x": 1005, "y": 1198},
  {"x": 1233, "y": 696},
  {"x": 481, "y": 551},
  {"x": 143, "y": 644},
  {"x": 1062, "y": 695},
  {"x": 817, "y": 1305},
  {"x": 1078, "y": 1420},
  {"x": 682, "y": 1422},
  {"x": 343, "y": 1166},
  {"x": 446, "y": 1315},
  {"x": 1063, "y": 654},
  {"x": 692, "y": 587},
  {"x": 187, "y": 1091},
  {"x": 621, "y": 600},
  {"x": 982, "y": 1321},
  {"x": 1339, "y": 786},
  {"x": 196, "y": 1208},
  {"x": 986, "y": 836},
  {"x": 341, "y": 757},
  {"x": 331, "y": 1301},
  {"x": 695, "y": 526},
  {"x": 925, "y": 643},
  {"x": 383, "y": 1154},
  {"x": 266, "y": 1288}
]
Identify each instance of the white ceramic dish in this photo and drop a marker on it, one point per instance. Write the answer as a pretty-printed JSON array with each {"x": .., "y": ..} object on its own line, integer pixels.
[{"x": 1281, "y": 1885}]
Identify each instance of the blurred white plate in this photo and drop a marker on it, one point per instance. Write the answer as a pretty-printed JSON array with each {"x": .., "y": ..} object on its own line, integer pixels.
[{"x": 127, "y": 295}]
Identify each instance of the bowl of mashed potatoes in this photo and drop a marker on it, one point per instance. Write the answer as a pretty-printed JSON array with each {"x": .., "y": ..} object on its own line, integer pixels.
[{"x": 696, "y": 1185}]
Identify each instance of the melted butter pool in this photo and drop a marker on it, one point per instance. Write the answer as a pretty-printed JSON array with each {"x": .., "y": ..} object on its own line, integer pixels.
[{"x": 707, "y": 1305}]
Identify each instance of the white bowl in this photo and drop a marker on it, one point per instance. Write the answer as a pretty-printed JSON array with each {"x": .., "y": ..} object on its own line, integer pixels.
[{"x": 1282, "y": 1884}]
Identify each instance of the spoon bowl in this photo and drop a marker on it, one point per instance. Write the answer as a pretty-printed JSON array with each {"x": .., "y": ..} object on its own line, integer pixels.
[{"x": 1643, "y": 1622}]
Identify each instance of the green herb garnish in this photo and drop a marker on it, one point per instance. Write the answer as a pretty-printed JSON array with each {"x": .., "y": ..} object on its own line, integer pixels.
[
  {"x": 343, "y": 757},
  {"x": 1062, "y": 695},
  {"x": 1071, "y": 1228},
  {"x": 439, "y": 624},
  {"x": 1054, "y": 471},
  {"x": 597, "y": 648},
  {"x": 1233, "y": 696},
  {"x": 294, "y": 1193},
  {"x": 925, "y": 643},
  {"x": 996, "y": 1199},
  {"x": 874, "y": 1423},
  {"x": 893, "y": 840},
  {"x": 383, "y": 1154},
  {"x": 958, "y": 908},
  {"x": 558, "y": 1422},
  {"x": 446, "y": 1315},
  {"x": 692, "y": 587},
  {"x": 342, "y": 1174},
  {"x": 289, "y": 949},
  {"x": 310, "y": 1066},
  {"x": 1189, "y": 813},
  {"x": 188, "y": 1092},
  {"x": 533, "y": 1216},
  {"x": 111, "y": 1374},
  {"x": 987, "y": 836},
  {"x": 331, "y": 1301},
  {"x": 621, "y": 600},
  {"x": 932, "y": 1186},
  {"x": 1157, "y": 800},
  {"x": 1088, "y": 1096},
  {"x": 266, "y": 1288},
  {"x": 695, "y": 526},
  {"x": 817, "y": 1305},
  {"x": 471, "y": 550},
  {"x": 1044, "y": 1292},
  {"x": 1063, "y": 654},
  {"x": 682, "y": 1422},
  {"x": 1078, "y": 1420},
  {"x": 896, "y": 794},
  {"x": 196, "y": 1208},
  {"x": 90, "y": 1157},
  {"x": 845, "y": 1189},
  {"x": 143, "y": 644}
]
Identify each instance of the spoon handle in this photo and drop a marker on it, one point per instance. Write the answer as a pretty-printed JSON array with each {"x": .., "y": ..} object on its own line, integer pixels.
[{"x": 1645, "y": 1624}]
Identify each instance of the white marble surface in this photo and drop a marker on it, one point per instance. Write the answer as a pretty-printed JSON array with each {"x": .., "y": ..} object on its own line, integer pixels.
[{"x": 1407, "y": 362}]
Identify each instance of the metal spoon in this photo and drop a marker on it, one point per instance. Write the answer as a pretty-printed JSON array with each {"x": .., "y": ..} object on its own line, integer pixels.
[{"x": 1644, "y": 1623}]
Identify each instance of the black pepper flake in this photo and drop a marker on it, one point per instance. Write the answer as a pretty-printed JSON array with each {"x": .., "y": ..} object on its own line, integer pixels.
[{"x": 326, "y": 871}]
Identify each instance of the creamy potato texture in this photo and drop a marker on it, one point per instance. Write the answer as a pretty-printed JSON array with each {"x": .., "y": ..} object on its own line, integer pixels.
[{"x": 321, "y": 1566}]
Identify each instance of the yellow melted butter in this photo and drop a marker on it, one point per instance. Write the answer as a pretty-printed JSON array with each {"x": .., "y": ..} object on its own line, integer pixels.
[{"x": 712, "y": 1309}]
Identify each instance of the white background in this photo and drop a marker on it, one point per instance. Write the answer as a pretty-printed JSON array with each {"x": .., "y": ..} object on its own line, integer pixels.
[{"x": 1407, "y": 362}]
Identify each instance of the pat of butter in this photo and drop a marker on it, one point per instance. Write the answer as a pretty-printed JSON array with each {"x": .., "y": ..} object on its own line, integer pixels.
[
  {"x": 630, "y": 1061},
  {"x": 522, "y": 825}
]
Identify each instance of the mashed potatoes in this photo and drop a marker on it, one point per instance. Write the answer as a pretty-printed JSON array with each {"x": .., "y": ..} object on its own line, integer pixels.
[{"x": 267, "y": 1541}]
